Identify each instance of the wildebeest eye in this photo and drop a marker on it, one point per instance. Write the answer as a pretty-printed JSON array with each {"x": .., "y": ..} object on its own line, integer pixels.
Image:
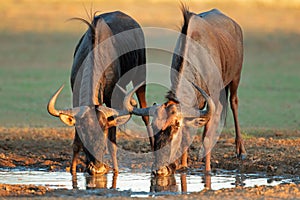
[{"x": 172, "y": 109}]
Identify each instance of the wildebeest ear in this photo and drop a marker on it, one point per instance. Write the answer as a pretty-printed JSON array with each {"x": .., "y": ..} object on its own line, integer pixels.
[
  {"x": 195, "y": 122},
  {"x": 67, "y": 119},
  {"x": 120, "y": 120}
]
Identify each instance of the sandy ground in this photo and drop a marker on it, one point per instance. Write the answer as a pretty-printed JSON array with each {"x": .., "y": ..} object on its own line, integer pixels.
[{"x": 272, "y": 152}]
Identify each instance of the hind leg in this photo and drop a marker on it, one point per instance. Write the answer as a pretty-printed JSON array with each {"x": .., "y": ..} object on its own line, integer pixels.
[
  {"x": 142, "y": 101},
  {"x": 240, "y": 149},
  {"x": 140, "y": 76}
]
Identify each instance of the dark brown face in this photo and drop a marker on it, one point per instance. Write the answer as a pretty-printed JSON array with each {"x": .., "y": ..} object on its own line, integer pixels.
[
  {"x": 95, "y": 166},
  {"x": 166, "y": 126}
]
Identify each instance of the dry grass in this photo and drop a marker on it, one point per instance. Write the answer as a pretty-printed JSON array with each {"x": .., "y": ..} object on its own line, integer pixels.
[{"x": 51, "y": 15}]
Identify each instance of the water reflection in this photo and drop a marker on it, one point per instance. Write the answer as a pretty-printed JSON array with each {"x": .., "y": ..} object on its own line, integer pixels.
[
  {"x": 176, "y": 183},
  {"x": 206, "y": 178},
  {"x": 169, "y": 183},
  {"x": 142, "y": 183},
  {"x": 96, "y": 181},
  {"x": 163, "y": 184},
  {"x": 240, "y": 180},
  {"x": 183, "y": 183}
]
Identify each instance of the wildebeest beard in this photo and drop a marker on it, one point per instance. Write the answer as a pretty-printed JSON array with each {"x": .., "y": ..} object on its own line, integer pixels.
[{"x": 167, "y": 147}]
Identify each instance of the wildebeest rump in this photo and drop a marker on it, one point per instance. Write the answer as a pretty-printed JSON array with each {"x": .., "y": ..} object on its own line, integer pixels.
[
  {"x": 208, "y": 55},
  {"x": 112, "y": 46}
]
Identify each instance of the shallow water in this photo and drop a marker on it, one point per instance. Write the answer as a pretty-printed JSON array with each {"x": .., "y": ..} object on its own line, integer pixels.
[{"x": 140, "y": 184}]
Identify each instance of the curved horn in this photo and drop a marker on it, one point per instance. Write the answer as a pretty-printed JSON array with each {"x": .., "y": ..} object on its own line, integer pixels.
[
  {"x": 109, "y": 112},
  {"x": 149, "y": 111},
  {"x": 51, "y": 105},
  {"x": 210, "y": 104},
  {"x": 119, "y": 117}
]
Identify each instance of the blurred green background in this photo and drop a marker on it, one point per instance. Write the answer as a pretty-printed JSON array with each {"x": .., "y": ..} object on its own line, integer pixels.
[{"x": 37, "y": 43}]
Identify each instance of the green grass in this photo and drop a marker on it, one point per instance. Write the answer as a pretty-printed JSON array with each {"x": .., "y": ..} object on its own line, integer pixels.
[
  {"x": 270, "y": 91},
  {"x": 34, "y": 65}
]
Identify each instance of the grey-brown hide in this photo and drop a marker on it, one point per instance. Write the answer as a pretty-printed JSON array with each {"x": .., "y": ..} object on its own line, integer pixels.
[
  {"x": 209, "y": 53},
  {"x": 112, "y": 46}
]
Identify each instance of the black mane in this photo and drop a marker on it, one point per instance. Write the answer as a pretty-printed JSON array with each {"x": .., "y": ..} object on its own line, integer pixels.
[
  {"x": 172, "y": 97},
  {"x": 177, "y": 59},
  {"x": 186, "y": 18}
]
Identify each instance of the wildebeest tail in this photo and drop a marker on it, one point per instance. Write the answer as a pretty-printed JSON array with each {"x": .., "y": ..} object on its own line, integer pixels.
[
  {"x": 225, "y": 106},
  {"x": 91, "y": 24}
]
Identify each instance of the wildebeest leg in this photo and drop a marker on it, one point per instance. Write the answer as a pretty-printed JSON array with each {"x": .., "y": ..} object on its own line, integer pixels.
[
  {"x": 206, "y": 140},
  {"x": 184, "y": 158},
  {"x": 183, "y": 182},
  {"x": 142, "y": 101},
  {"x": 112, "y": 148},
  {"x": 207, "y": 181},
  {"x": 114, "y": 181},
  {"x": 209, "y": 136},
  {"x": 77, "y": 145},
  {"x": 185, "y": 143},
  {"x": 240, "y": 149}
]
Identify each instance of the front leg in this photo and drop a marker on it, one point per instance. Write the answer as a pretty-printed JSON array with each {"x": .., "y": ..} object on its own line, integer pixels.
[
  {"x": 77, "y": 145},
  {"x": 207, "y": 149},
  {"x": 112, "y": 148},
  {"x": 185, "y": 146},
  {"x": 240, "y": 149},
  {"x": 210, "y": 136},
  {"x": 206, "y": 142}
]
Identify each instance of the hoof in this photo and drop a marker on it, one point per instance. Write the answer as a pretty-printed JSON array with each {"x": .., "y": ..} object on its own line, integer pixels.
[
  {"x": 182, "y": 169},
  {"x": 208, "y": 173}
]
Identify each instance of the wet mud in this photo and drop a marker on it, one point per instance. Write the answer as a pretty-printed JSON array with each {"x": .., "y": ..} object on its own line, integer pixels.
[{"x": 275, "y": 154}]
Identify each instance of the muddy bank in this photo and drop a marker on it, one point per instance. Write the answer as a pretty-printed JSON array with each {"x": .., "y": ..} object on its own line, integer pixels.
[
  {"x": 275, "y": 153},
  {"x": 286, "y": 191}
]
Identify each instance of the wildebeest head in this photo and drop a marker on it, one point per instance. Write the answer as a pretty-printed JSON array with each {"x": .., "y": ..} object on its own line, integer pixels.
[
  {"x": 97, "y": 119},
  {"x": 169, "y": 119}
]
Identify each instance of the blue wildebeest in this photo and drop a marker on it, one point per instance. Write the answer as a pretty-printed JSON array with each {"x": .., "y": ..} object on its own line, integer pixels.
[
  {"x": 112, "y": 46},
  {"x": 209, "y": 56}
]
